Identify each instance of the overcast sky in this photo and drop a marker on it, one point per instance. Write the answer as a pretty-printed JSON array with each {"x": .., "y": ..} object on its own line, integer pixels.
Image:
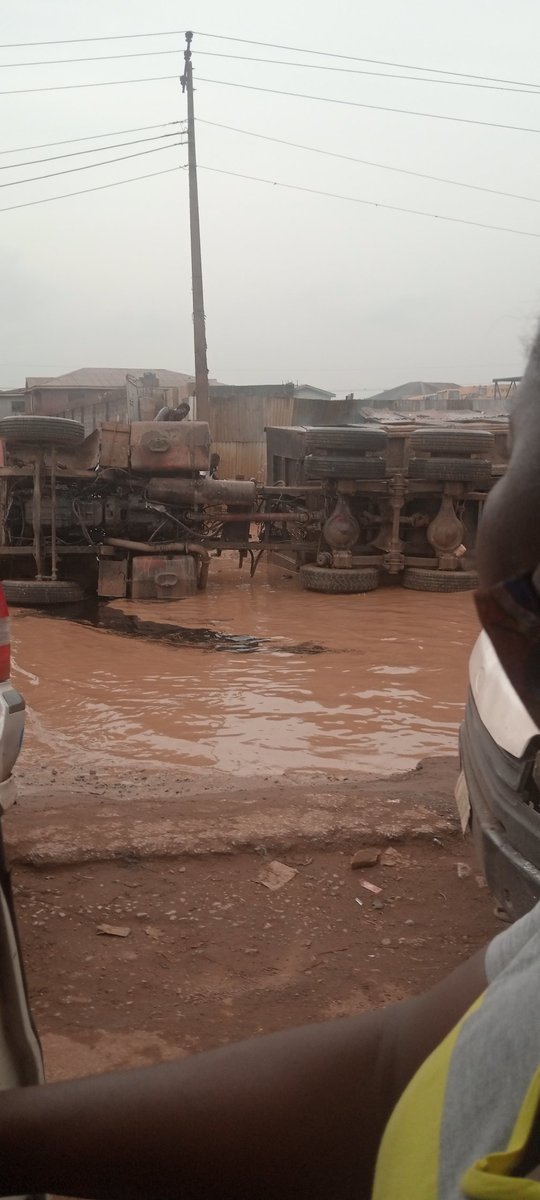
[{"x": 297, "y": 286}]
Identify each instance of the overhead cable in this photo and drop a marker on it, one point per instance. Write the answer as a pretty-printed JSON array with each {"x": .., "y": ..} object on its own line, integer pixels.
[
  {"x": 281, "y": 62},
  {"x": 122, "y": 37},
  {"x": 525, "y": 90},
  {"x": 94, "y": 150},
  {"x": 296, "y": 187},
  {"x": 377, "y": 62},
  {"x": 366, "y": 162},
  {"x": 100, "y": 188},
  {"x": 89, "y": 137},
  {"x": 88, "y": 166},
  {"x": 111, "y": 37},
  {"x": 409, "y": 112},
  {"x": 67, "y": 87},
  {"x": 57, "y": 62}
]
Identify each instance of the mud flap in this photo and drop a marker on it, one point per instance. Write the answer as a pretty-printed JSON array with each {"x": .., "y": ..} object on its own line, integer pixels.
[{"x": 463, "y": 803}]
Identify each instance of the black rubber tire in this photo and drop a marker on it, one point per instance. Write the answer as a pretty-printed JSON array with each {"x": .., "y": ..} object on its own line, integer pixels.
[
  {"x": 455, "y": 441},
  {"x": 420, "y": 579},
  {"x": 460, "y": 470},
  {"x": 42, "y": 591},
  {"x": 337, "y": 580},
  {"x": 351, "y": 439},
  {"x": 41, "y": 431},
  {"x": 319, "y": 467}
]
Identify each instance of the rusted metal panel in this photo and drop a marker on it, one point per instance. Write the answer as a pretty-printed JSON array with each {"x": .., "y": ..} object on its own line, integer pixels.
[
  {"x": 112, "y": 579},
  {"x": 84, "y": 457},
  {"x": 278, "y": 410},
  {"x": 114, "y": 451},
  {"x": 239, "y": 419},
  {"x": 163, "y": 578},
  {"x": 161, "y": 447},
  {"x": 246, "y": 459}
]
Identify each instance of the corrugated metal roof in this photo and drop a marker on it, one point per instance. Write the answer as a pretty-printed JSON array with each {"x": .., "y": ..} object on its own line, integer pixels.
[
  {"x": 36, "y": 380},
  {"x": 308, "y": 392},
  {"x": 107, "y": 377}
]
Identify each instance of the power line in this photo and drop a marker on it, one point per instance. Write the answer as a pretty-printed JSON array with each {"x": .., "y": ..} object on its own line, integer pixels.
[
  {"x": 281, "y": 62},
  {"x": 89, "y": 137},
  {"x": 377, "y": 62},
  {"x": 66, "y": 87},
  {"x": 100, "y": 188},
  {"x": 525, "y": 90},
  {"x": 121, "y": 37},
  {"x": 56, "y": 62},
  {"x": 367, "y": 162},
  {"x": 88, "y": 166},
  {"x": 295, "y": 187},
  {"x": 112, "y": 37},
  {"x": 95, "y": 150},
  {"x": 409, "y": 112}
]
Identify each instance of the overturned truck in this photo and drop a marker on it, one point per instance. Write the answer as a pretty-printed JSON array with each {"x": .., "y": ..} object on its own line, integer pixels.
[
  {"x": 135, "y": 510},
  {"x": 131, "y": 510},
  {"x": 400, "y": 502}
]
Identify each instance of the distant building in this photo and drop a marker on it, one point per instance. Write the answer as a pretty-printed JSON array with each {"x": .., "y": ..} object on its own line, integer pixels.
[
  {"x": 12, "y": 401},
  {"x": 96, "y": 394},
  {"x": 305, "y": 391}
]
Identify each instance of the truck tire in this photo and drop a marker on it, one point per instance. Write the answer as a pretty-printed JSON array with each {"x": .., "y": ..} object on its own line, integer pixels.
[
  {"x": 349, "y": 438},
  {"x": 459, "y": 470},
  {"x": 454, "y": 441},
  {"x": 420, "y": 579},
  {"x": 337, "y": 580},
  {"x": 42, "y": 591},
  {"x": 319, "y": 467},
  {"x": 41, "y": 431}
]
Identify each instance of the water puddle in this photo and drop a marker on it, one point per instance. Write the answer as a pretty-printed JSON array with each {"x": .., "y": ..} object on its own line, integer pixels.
[
  {"x": 130, "y": 624},
  {"x": 301, "y": 681}
]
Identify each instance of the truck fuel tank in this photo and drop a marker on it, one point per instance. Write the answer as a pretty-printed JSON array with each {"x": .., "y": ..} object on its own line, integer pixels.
[{"x": 203, "y": 491}]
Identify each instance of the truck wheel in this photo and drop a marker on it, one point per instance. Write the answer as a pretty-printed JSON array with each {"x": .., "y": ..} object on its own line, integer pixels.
[
  {"x": 319, "y": 467},
  {"x": 41, "y": 431},
  {"x": 42, "y": 591},
  {"x": 459, "y": 470},
  {"x": 419, "y": 579},
  {"x": 349, "y": 438},
  {"x": 339, "y": 580},
  {"x": 453, "y": 441}
]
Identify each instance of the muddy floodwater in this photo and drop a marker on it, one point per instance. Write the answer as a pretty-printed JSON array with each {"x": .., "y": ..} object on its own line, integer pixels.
[{"x": 252, "y": 677}]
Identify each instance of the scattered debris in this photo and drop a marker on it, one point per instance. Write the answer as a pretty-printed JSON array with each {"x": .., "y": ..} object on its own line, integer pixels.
[
  {"x": 370, "y": 887},
  {"x": 152, "y": 932},
  {"x": 378, "y": 904},
  {"x": 391, "y": 857},
  {"x": 463, "y": 870},
  {"x": 502, "y": 915},
  {"x": 359, "y": 902},
  {"x": 368, "y": 856},
  {"x": 276, "y": 875},
  {"x": 480, "y": 881},
  {"x": 114, "y": 930}
]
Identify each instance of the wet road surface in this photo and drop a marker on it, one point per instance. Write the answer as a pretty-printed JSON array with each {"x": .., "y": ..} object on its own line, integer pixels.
[{"x": 254, "y": 677}]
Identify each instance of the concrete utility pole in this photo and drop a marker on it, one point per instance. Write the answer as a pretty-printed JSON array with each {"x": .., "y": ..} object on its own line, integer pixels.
[{"x": 199, "y": 327}]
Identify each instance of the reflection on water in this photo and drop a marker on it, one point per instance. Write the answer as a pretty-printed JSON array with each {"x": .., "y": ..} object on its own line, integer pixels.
[{"x": 385, "y": 688}]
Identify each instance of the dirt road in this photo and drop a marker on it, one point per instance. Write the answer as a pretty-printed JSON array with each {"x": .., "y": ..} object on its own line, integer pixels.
[
  {"x": 172, "y": 753},
  {"x": 211, "y": 955}
]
